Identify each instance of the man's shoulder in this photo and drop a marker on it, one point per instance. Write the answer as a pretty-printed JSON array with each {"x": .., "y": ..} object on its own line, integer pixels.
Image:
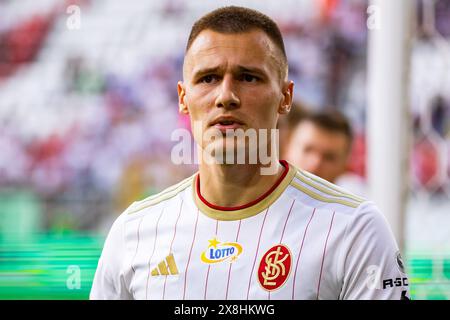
[
  {"x": 351, "y": 211},
  {"x": 152, "y": 202},
  {"x": 321, "y": 194}
]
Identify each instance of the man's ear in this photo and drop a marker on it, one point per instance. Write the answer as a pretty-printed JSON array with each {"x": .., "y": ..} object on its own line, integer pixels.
[
  {"x": 288, "y": 96},
  {"x": 181, "y": 98}
]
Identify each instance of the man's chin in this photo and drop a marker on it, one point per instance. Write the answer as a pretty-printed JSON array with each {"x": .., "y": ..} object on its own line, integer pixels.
[{"x": 226, "y": 151}]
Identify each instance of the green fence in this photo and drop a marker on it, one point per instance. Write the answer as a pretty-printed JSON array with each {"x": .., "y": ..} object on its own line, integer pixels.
[
  {"x": 62, "y": 266},
  {"x": 50, "y": 267}
]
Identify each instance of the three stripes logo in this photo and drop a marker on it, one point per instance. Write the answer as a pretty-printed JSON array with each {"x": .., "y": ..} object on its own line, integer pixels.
[{"x": 166, "y": 267}]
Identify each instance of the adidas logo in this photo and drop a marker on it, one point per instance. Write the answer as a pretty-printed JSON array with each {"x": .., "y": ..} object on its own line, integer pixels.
[{"x": 166, "y": 267}]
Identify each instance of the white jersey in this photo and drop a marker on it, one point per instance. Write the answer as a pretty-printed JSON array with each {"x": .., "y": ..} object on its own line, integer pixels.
[{"x": 304, "y": 239}]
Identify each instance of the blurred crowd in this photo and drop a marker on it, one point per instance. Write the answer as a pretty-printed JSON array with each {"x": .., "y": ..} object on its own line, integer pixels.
[{"x": 110, "y": 141}]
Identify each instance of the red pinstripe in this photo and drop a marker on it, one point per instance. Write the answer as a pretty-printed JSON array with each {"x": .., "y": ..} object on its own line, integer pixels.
[
  {"x": 256, "y": 255},
  {"x": 189, "y": 258},
  {"x": 171, "y": 244},
  {"x": 300, "y": 252},
  {"x": 229, "y": 269},
  {"x": 209, "y": 266},
  {"x": 284, "y": 228},
  {"x": 137, "y": 246},
  {"x": 323, "y": 256},
  {"x": 153, "y": 251},
  {"x": 285, "y": 224},
  {"x": 135, "y": 253}
]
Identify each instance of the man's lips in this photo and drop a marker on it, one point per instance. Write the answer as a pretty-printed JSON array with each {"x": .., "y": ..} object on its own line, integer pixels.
[
  {"x": 224, "y": 127},
  {"x": 224, "y": 123}
]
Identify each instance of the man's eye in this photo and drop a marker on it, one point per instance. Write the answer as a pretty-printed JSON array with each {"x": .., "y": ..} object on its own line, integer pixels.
[
  {"x": 208, "y": 79},
  {"x": 249, "y": 78}
]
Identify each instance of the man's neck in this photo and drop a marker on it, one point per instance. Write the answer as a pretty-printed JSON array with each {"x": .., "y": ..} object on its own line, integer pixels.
[{"x": 235, "y": 185}]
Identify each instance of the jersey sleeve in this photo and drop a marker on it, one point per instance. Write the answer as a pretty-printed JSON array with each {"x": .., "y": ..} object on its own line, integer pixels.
[
  {"x": 371, "y": 262},
  {"x": 109, "y": 281}
]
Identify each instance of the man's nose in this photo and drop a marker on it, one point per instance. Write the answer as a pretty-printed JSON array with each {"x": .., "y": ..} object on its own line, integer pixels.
[{"x": 227, "y": 97}]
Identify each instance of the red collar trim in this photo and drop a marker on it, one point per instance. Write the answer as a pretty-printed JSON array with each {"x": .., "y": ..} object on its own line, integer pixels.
[{"x": 244, "y": 206}]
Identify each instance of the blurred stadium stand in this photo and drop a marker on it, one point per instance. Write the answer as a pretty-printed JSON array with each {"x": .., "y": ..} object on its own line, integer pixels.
[{"x": 86, "y": 117}]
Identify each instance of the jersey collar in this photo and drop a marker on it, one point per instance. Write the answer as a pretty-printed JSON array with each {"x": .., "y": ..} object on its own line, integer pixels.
[{"x": 247, "y": 210}]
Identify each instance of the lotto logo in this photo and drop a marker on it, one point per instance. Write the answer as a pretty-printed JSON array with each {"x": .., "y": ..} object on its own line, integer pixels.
[{"x": 220, "y": 251}]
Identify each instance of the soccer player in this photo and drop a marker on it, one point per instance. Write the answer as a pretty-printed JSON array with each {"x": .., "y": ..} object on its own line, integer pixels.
[{"x": 232, "y": 231}]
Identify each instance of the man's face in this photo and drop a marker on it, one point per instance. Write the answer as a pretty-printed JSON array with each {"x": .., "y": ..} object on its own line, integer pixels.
[
  {"x": 319, "y": 151},
  {"x": 233, "y": 81}
]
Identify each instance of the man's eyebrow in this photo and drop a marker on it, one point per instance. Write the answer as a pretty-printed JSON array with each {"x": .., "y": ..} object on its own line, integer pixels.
[
  {"x": 203, "y": 71},
  {"x": 251, "y": 70},
  {"x": 239, "y": 69}
]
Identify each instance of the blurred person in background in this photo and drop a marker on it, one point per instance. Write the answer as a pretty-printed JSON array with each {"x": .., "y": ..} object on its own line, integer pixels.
[
  {"x": 287, "y": 124},
  {"x": 320, "y": 143}
]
